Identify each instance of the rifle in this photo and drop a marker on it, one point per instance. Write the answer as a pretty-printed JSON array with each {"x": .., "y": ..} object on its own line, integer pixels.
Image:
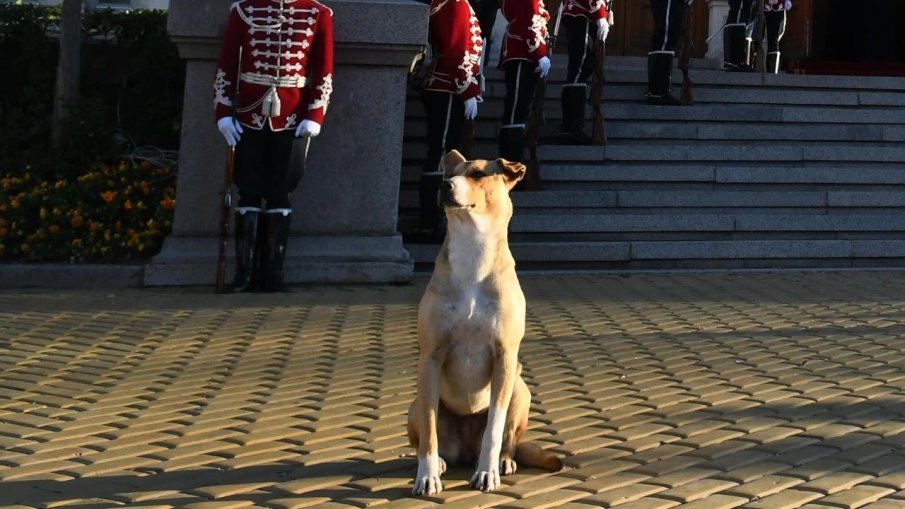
[
  {"x": 532, "y": 177},
  {"x": 598, "y": 136},
  {"x": 761, "y": 27},
  {"x": 226, "y": 197},
  {"x": 532, "y": 136},
  {"x": 226, "y": 206},
  {"x": 687, "y": 98}
]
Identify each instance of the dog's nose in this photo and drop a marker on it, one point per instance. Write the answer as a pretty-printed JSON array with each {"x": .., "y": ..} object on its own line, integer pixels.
[{"x": 446, "y": 185}]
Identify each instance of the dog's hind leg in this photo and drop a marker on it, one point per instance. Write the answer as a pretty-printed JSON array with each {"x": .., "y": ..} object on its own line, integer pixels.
[{"x": 516, "y": 424}]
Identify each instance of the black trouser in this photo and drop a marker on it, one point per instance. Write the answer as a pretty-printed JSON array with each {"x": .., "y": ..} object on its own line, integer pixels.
[
  {"x": 445, "y": 114},
  {"x": 776, "y": 28},
  {"x": 742, "y": 11},
  {"x": 269, "y": 166},
  {"x": 582, "y": 35},
  {"x": 667, "y": 24},
  {"x": 521, "y": 80},
  {"x": 486, "y": 11}
]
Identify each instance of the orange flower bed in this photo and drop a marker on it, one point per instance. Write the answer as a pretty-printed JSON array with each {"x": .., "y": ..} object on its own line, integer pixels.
[{"x": 111, "y": 213}]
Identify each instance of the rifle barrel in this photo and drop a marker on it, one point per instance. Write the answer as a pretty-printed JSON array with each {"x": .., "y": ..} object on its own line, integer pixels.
[
  {"x": 225, "y": 213},
  {"x": 598, "y": 136},
  {"x": 687, "y": 98}
]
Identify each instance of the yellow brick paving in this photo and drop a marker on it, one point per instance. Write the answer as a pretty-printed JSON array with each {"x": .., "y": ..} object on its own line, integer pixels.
[{"x": 683, "y": 390}]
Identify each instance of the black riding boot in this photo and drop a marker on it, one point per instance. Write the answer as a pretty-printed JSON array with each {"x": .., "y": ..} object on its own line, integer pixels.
[
  {"x": 574, "y": 99},
  {"x": 273, "y": 254},
  {"x": 659, "y": 79},
  {"x": 773, "y": 62},
  {"x": 246, "y": 242},
  {"x": 736, "y": 49},
  {"x": 431, "y": 220},
  {"x": 512, "y": 143}
]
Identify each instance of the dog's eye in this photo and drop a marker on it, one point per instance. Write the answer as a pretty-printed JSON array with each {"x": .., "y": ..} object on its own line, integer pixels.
[{"x": 476, "y": 174}]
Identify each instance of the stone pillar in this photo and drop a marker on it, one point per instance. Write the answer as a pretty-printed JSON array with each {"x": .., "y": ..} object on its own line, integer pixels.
[
  {"x": 345, "y": 210},
  {"x": 719, "y": 10}
]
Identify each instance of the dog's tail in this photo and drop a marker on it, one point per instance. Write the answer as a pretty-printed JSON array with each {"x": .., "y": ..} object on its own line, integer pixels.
[{"x": 530, "y": 454}]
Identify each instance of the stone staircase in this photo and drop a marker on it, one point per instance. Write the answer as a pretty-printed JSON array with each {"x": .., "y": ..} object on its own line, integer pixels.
[{"x": 764, "y": 171}]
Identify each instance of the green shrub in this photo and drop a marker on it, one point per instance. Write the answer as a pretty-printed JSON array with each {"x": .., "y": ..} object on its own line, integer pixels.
[{"x": 132, "y": 84}]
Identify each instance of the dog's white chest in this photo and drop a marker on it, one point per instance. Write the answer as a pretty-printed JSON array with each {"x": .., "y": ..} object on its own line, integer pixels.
[{"x": 469, "y": 362}]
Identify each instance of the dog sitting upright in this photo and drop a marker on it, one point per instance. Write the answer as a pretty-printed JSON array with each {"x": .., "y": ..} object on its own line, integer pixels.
[{"x": 472, "y": 403}]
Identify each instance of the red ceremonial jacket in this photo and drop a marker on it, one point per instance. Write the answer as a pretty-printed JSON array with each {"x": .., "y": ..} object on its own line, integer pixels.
[
  {"x": 526, "y": 32},
  {"x": 593, "y": 10},
  {"x": 280, "y": 52},
  {"x": 455, "y": 37}
]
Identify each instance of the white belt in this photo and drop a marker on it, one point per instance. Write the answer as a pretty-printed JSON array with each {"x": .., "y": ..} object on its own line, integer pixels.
[{"x": 273, "y": 81}]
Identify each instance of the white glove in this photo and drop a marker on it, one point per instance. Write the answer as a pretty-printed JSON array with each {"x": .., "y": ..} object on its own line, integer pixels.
[
  {"x": 230, "y": 129},
  {"x": 543, "y": 67},
  {"x": 308, "y": 128},
  {"x": 788, "y": 4},
  {"x": 471, "y": 108},
  {"x": 603, "y": 28}
]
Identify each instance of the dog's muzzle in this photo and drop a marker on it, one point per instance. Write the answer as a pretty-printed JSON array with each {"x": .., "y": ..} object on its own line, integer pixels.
[{"x": 445, "y": 195}]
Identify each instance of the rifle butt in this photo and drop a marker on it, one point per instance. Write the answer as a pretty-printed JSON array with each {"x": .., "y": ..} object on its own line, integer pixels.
[
  {"x": 532, "y": 175},
  {"x": 598, "y": 137},
  {"x": 687, "y": 99}
]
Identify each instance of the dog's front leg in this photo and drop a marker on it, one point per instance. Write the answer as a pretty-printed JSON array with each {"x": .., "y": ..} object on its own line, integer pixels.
[
  {"x": 502, "y": 382},
  {"x": 427, "y": 479}
]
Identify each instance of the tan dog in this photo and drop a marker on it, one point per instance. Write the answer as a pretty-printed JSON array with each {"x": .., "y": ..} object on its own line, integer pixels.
[{"x": 472, "y": 404}]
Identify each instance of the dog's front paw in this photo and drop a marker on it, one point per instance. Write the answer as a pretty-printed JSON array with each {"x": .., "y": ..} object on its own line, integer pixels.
[
  {"x": 428, "y": 485},
  {"x": 486, "y": 480},
  {"x": 427, "y": 480}
]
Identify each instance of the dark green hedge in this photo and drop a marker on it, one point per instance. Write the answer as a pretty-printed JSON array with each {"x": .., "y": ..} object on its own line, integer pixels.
[{"x": 132, "y": 83}]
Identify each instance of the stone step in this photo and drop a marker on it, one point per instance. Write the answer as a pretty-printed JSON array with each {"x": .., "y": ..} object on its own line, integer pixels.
[
  {"x": 613, "y": 175},
  {"x": 695, "y": 253},
  {"x": 742, "y": 113},
  {"x": 728, "y": 94},
  {"x": 723, "y": 153},
  {"x": 529, "y": 223},
  {"x": 706, "y": 73},
  {"x": 709, "y": 153},
  {"x": 629, "y": 130},
  {"x": 719, "y": 174},
  {"x": 679, "y": 198}
]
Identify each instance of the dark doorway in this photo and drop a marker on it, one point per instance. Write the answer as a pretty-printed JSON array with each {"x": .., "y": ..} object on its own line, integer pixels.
[
  {"x": 856, "y": 38},
  {"x": 860, "y": 31}
]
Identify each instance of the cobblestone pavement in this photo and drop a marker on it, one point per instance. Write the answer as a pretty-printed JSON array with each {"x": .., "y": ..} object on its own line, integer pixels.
[{"x": 698, "y": 391}]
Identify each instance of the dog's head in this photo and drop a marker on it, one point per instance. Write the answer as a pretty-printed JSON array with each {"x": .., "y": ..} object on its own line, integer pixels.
[{"x": 478, "y": 187}]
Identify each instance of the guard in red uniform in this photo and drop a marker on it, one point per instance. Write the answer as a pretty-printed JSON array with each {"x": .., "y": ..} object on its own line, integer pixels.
[
  {"x": 587, "y": 24},
  {"x": 668, "y": 16},
  {"x": 523, "y": 59},
  {"x": 775, "y": 14},
  {"x": 451, "y": 94},
  {"x": 271, "y": 92}
]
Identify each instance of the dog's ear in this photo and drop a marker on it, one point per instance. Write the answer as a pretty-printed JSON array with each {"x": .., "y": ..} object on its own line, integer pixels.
[
  {"x": 513, "y": 171},
  {"x": 449, "y": 162}
]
